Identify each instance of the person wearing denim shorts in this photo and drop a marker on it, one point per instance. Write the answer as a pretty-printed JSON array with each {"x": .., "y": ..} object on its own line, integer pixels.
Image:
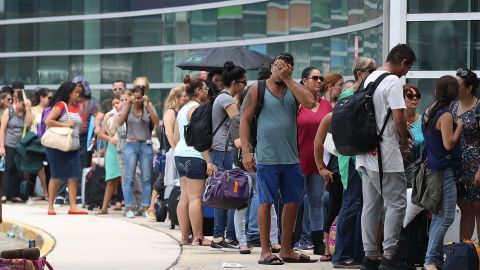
[
  {"x": 193, "y": 168},
  {"x": 276, "y": 154}
]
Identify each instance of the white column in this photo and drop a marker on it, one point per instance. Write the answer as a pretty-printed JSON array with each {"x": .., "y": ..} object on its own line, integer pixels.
[{"x": 398, "y": 22}]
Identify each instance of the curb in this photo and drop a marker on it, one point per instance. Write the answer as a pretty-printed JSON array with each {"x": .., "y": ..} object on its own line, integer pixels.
[{"x": 23, "y": 231}]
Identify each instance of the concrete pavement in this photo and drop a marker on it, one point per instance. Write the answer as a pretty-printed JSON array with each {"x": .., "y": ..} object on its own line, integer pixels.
[{"x": 91, "y": 242}]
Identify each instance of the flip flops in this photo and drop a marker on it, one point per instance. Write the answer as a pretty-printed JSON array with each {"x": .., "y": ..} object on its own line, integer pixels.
[
  {"x": 302, "y": 259},
  {"x": 271, "y": 260}
]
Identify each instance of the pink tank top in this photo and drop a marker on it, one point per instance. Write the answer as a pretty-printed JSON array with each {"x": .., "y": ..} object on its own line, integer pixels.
[{"x": 307, "y": 125}]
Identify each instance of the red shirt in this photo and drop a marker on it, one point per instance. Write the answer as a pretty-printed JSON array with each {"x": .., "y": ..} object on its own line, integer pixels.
[{"x": 307, "y": 125}]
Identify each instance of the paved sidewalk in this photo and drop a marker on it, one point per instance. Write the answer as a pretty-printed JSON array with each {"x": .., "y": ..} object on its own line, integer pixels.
[{"x": 91, "y": 242}]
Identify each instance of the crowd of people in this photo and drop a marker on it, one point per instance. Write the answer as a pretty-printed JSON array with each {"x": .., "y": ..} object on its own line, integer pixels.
[{"x": 300, "y": 186}]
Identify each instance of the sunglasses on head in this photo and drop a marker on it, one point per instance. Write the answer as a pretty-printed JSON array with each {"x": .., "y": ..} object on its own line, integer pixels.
[
  {"x": 286, "y": 58},
  {"x": 462, "y": 72},
  {"x": 411, "y": 96},
  {"x": 316, "y": 78}
]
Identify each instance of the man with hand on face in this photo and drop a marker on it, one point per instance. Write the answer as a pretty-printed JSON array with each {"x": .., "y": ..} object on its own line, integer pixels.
[{"x": 276, "y": 154}]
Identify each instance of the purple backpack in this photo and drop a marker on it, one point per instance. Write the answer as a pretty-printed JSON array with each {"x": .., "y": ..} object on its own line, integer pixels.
[
  {"x": 227, "y": 190},
  {"x": 42, "y": 127},
  {"x": 24, "y": 264}
]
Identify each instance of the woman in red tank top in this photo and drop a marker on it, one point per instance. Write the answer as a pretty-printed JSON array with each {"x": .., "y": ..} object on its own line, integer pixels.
[{"x": 307, "y": 125}]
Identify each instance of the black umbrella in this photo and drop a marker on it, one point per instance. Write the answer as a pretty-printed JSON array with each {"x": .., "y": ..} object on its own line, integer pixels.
[{"x": 213, "y": 59}]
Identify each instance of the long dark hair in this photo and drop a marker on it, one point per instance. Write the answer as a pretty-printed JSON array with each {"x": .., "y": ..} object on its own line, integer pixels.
[
  {"x": 63, "y": 93},
  {"x": 232, "y": 73},
  {"x": 446, "y": 91},
  {"x": 39, "y": 93},
  {"x": 140, "y": 90}
]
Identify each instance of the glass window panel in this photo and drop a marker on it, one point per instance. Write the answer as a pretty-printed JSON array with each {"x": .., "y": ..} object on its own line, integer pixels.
[
  {"x": 230, "y": 23},
  {"x": 147, "y": 31},
  {"x": 116, "y": 33},
  {"x": 115, "y": 5},
  {"x": 427, "y": 88},
  {"x": 203, "y": 26},
  {"x": 299, "y": 17},
  {"x": 439, "y": 45},
  {"x": 254, "y": 20},
  {"x": 301, "y": 55},
  {"x": 15, "y": 9},
  {"x": 476, "y": 45},
  {"x": 277, "y": 18},
  {"x": 53, "y": 69},
  {"x": 116, "y": 67},
  {"x": 22, "y": 69},
  {"x": 168, "y": 24},
  {"x": 76, "y": 67},
  {"x": 321, "y": 15},
  {"x": 77, "y": 35},
  {"x": 147, "y": 65},
  {"x": 19, "y": 37},
  {"x": 443, "y": 6},
  {"x": 53, "y": 36},
  {"x": 339, "y": 13},
  {"x": 2, "y": 72}
]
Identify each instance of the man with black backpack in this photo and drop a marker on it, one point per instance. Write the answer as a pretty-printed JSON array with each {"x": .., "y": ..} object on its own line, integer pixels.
[
  {"x": 276, "y": 153},
  {"x": 384, "y": 182}
]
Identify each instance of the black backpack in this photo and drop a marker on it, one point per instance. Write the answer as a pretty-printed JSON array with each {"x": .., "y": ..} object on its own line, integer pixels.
[
  {"x": 198, "y": 132},
  {"x": 354, "y": 129}
]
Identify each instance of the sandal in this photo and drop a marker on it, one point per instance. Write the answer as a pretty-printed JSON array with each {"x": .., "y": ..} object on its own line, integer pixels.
[
  {"x": 302, "y": 259},
  {"x": 271, "y": 260},
  {"x": 102, "y": 212},
  {"x": 326, "y": 258},
  {"x": 201, "y": 242}
]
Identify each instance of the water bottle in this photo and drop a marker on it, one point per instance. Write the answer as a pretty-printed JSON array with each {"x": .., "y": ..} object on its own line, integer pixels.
[
  {"x": 2, "y": 164},
  {"x": 10, "y": 234}
]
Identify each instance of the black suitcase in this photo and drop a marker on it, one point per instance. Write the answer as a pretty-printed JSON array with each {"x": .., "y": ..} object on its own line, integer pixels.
[
  {"x": 413, "y": 243},
  {"x": 95, "y": 188},
  {"x": 172, "y": 206}
]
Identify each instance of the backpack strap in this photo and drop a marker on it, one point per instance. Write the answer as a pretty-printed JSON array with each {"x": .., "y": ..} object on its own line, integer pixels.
[
  {"x": 260, "y": 97},
  {"x": 389, "y": 112},
  {"x": 224, "y": 119}
]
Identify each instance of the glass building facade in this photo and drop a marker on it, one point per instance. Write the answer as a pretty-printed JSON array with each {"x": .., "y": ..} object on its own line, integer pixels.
[{"x": 50, "y": 41}]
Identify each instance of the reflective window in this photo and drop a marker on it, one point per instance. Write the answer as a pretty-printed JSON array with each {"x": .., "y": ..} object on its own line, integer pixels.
[
  {"x": 443, "y": 6},
  {"x": 53, "y": 70},
  {"x": 116, "y": 67},
  {"x": 203, "y": 26},
  {"x": 229, "y": 21},
  {"x": 441, "y": 45},
  {"x": 20, "y": 69}
]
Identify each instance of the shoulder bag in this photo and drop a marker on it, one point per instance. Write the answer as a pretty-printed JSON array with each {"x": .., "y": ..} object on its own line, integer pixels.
[{"x": 59, "y": 138}]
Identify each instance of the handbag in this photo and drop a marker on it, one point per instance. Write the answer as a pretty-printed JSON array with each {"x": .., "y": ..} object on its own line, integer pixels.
[
  {"x": 329, "y": 145},
  {"x": 461, "y": 256},
  {"x": 227, "y": 190},
  {"x": 59, "y": 138},
  {"x": 171, "y": 173}
]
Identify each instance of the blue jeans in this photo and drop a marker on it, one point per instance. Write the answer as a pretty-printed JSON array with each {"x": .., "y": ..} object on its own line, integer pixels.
[
  {"x": 222, "y": 216},
  {"x": 442, "y": 221},
  {"x": 348, "y": 243},
  {"x": 252, "y": 211},
  {"x": 135, "y": 152},
  {"x": 314, "y": 187}
]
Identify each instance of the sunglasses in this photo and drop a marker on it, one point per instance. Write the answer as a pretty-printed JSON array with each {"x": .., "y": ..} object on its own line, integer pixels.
[
  {"x": 412, "y": 96},
  {"x": 316, "y": 78},
  {"x": 462, "y": 72},
  {"x": 244, "y": 82},
  {"x": 286, "y": 58},
  {"x": 50, "y": 98}
]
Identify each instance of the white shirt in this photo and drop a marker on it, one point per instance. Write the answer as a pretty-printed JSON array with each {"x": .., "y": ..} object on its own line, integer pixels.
[{"x": 389, "y": 94}]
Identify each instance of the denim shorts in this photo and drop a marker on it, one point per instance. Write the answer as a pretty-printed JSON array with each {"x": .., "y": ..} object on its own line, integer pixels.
[
  {"x": 286, "y": 178},
  {"x": 192, "y": 168}
]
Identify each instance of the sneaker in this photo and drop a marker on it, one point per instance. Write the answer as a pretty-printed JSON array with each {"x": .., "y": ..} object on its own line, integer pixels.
[
  {"x": 149, "y": 214},
  {"x": 368, "y": 264},
  {"x": 230, "y": 247},
  {"x": 394, "y": 264},
  {"x": 304, "y": 246},
  {"x": 216, "y": 246},
  {"x": 130, "y": 214},
  {"x": 30, "y": 201},
  {"x": 78, "y": 201},
  {"x": 59, "y": 201},
  {"x": 167, "y": 222}
]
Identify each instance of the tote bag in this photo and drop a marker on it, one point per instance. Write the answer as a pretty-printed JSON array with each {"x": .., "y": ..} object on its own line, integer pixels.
[{"x": 59, "y": 138}]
